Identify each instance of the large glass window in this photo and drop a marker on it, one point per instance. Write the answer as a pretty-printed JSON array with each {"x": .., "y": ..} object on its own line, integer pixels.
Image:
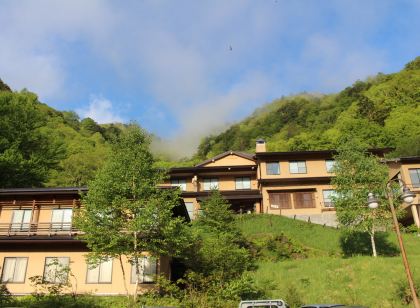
[
  {"x": 211, "y": 183},
  {"x": 61, "y": 219},
  {"x": 243, "y": 183},
  {"x": 147, "y": 270},
  {"x": 328, "y": 195},
  {"x": 21, "y": 220},
  {"x": 56, "y": 269},
  {"x": 329, "y": 165},
  {"x": 297, "y": 166},
  {"x": 14, "y": 270},
  {"x": 415, "y": 177},
  {"x": 280, "y": 200},
  {"x": 181, "y": 183},
  {"x": 273, "y": 168},
  {"x": 102, "y": 273},
  {"x": 190, "y": 209}
]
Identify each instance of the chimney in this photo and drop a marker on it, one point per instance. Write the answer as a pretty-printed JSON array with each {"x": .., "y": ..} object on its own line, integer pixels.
[{"x": 260, "y": 146}]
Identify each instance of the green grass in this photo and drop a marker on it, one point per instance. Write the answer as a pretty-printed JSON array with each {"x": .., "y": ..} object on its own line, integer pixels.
[{"x": 327, "y": 276}]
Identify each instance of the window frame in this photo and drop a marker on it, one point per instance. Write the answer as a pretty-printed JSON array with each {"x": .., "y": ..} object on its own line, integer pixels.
[
  {"x": 192, "y": 216},
  {"x": 324, "y": 204},
  {"x": 132, "y": 277},
  {"x": 55, "y": 278},
  {"x": 296, "y": 196},
  {"x": 21, "y": 226},
  {"x": 61, "y": 225},
  {"x": 272, "y": 195},
  {"x": 176, "y": 183},
  {"x": 99, "y": 273},
  {"x": 241, "y": 178},
  {"x": 14, "y": 271},
  {"x": 268, "y": 170},
  {"x": 413, "y": 183},
  {"x": 211, "y": 187},
  {"x": 331, "y": 169},
  {"x": 298, "y": 168}
]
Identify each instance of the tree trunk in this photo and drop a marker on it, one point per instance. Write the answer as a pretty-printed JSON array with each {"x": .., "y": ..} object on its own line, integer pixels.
[
  {"x": 123, "y": 274},
  {"x": 372, "y": 240},
  {"x": 136, "y": 264}
]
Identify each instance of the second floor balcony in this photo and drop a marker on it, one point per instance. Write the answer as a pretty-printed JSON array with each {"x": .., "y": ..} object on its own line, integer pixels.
[{"x": 38, "y": 229}]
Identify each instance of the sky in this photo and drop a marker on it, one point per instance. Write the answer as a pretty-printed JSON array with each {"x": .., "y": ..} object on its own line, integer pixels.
[{"x": 186, "y": 69}]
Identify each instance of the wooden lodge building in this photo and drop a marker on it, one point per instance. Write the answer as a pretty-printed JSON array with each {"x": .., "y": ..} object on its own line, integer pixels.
[
  {"x": 293, "y": 184},
  {"x": 37, "y": 235},
  {"x": 37, "y": 238}
]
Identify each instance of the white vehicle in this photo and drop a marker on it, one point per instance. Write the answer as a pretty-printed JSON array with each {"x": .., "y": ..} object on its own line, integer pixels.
[{"x": 266, "y": 303}]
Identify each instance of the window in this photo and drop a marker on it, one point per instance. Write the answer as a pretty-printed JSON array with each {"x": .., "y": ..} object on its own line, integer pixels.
[
  {"x": 56, "y": 269},
  {"x": 210, "y": 184},
  {"x": 61, "y": 219},
  {"x": 328, "y": 197},
  {"x": 190, "y": 209},
  {"x": 329, "y": 165},
  {"x": 304, "y": 200},
  {"x": 21, "y": 220},
  {"x": 147, "y": 270},
  {"x": 280, "y": 201},
  {"x": 181, "y": 183},
  {"x": 298, "y": 166},
  {"x": 14, "y": 270},
  {"x": 243, "y": 183},
  {"x": 102, "y": 273},
  {"x": 415, "y": 177},
  {"x": 273, "y": 168}
]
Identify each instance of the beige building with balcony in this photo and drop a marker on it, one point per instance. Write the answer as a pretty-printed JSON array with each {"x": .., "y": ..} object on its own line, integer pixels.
[
  {"x": 293, "y": 184},
  {"x": 37, "y": 238}
]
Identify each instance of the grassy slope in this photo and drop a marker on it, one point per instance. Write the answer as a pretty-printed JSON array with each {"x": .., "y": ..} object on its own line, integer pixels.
[{"x": 326, "y": 276}]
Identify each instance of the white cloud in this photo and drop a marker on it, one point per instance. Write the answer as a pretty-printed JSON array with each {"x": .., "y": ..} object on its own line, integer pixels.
[
  {"x": 178, "y": 53},
  {"x": 101, "y": 110}
]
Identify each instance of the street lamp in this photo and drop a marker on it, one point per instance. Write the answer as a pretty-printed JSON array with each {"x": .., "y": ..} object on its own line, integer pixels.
[{"x": 408, "y": 198}]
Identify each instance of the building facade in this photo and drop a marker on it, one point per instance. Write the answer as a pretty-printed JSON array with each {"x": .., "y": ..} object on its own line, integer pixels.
[
  {"x": 38, "y": 239},
  {"x": 293, "y": 184}
]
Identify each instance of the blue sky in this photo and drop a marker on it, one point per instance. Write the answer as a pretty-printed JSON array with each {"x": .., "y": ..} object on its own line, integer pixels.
[{"x": 183, "y": 69}]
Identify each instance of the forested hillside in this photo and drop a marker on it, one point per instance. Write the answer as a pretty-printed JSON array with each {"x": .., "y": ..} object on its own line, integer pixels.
[
  {"x": 382, "y": 111},
  {"x": 40, "y": 146}
]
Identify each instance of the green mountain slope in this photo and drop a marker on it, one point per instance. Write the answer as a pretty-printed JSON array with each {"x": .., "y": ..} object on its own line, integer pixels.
[
  {"x": 333, "y": 270},
  {"x": 40, "y": 146},
  {"x": 383, "y": 111}
]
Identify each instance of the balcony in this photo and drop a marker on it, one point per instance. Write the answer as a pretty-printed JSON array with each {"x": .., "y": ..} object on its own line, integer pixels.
[{"x": 48, "y": 229}]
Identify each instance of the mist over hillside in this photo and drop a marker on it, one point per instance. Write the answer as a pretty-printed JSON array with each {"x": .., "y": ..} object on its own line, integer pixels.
[{"x": 382, "y": 111}]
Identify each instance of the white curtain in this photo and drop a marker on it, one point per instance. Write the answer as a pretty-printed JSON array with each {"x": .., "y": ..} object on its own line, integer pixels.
[{"x": 14, "y": 269}]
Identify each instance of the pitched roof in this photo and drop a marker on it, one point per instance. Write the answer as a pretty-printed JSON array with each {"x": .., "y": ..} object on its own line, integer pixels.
[{"x": 240, "y": 154}]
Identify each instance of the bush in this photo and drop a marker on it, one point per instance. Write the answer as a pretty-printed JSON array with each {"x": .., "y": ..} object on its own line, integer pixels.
[{"x": 403, "y": 291}]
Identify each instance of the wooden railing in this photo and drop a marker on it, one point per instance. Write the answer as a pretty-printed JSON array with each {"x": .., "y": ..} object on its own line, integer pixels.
[{"x": 37, "y": 229}]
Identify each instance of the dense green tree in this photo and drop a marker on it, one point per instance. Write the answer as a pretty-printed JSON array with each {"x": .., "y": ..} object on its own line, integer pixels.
[
  {"x": 124, "y": 212},
  {"x": 27, "y": 152}
]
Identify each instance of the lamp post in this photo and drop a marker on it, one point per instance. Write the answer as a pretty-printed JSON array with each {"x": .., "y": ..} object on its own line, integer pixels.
[{"x": 408, "y": 197}]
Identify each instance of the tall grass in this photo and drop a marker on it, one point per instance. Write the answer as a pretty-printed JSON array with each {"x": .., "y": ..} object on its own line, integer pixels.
[{"x": 327, "y": 276}]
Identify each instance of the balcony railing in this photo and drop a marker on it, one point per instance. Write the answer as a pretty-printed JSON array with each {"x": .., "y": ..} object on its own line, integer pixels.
[{"x": 37, "y": 229}]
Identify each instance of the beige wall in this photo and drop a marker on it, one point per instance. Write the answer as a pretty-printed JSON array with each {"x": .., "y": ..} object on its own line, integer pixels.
[
  {"x": 319, "y": 199},
  {"x": 78, "y": 266},
  {"x": 230, "y": 160},
  {"x": 314, "y": 168}
]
